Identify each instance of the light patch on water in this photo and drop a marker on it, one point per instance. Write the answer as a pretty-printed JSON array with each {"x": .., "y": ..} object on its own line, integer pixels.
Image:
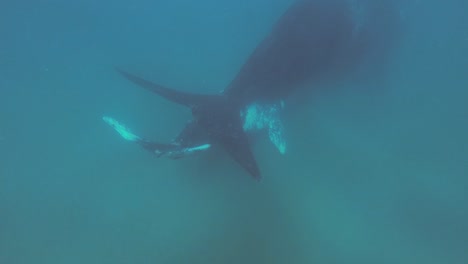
[
  {"x": 358, "y": 12},
  {"x": 121, "y": 129},
  {"x": 261, "y": 116}
]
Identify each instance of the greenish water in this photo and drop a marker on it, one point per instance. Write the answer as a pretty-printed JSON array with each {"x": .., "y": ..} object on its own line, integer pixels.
[{"x": 374, "y": 173}]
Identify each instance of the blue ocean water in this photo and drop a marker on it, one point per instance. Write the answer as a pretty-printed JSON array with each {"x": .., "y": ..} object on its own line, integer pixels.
[{"x": 375, "y": 172}]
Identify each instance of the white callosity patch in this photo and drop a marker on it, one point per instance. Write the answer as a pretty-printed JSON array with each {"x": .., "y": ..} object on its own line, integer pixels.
[
  {"x": 266, "y": 116},
  {"x": 121, "y": 129}
]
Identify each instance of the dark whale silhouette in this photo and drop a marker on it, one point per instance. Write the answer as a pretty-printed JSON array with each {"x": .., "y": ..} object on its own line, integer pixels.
[{"x": 312, "y": 39}]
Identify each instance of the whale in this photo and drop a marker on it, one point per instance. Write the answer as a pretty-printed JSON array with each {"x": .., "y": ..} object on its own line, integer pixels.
[{"x": 310, "y": 41}]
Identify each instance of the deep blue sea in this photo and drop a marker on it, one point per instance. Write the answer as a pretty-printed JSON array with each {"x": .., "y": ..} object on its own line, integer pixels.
[{"x": 376, "y": 171}]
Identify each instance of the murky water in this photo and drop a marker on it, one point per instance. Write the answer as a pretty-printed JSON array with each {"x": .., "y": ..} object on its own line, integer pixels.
[{"x": 375, "y": 172}]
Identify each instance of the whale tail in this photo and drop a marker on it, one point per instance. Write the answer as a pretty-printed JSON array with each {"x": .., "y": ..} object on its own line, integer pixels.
[{"x": 184, "y": 98}]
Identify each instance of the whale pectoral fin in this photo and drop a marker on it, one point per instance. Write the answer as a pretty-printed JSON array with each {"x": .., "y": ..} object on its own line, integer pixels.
[
  {"x": 172, "y": 151},
  {"x": 159, "y": 149},
  {"x": 243, "y": 155},
  {"x": 179, "y": 97},
  {"x": 238, "y": 147},
  {"x": 123, "y": 131}
]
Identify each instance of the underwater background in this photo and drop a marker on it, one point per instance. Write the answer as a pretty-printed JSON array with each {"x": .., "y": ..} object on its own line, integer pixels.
[{"x": 375, "y": 171}]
